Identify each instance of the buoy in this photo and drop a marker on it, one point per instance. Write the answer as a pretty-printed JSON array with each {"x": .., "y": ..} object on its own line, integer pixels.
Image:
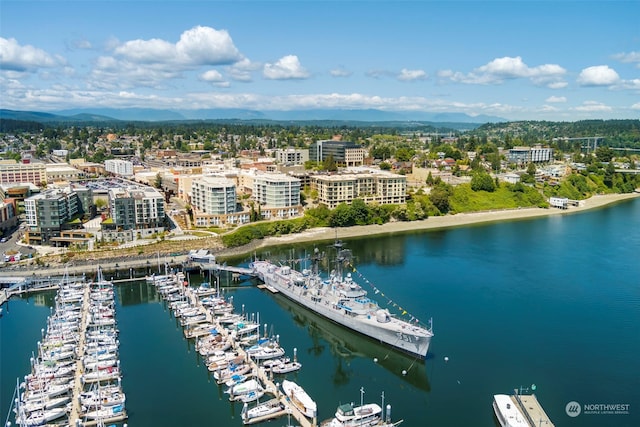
[
  {"x": 375, "y": 360},
  {"x": 446, "y": 358},
  {"x": 404, "y": 372}
]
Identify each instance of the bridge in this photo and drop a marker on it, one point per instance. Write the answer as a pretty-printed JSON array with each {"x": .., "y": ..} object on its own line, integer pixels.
[{"x": 213, "y": 267}]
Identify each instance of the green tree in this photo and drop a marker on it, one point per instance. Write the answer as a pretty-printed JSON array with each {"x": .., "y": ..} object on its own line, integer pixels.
[
  {"x": 482, "y": 181},
  {"x": 329, "y": 164},
  {"x": 342, "y": 216},
  {"x": 429, "y": 179},
  {"x": 385, "y": 166},
  {"x": 157, "y": 182},
  {"x": 609, "y": 173},
  {"x": 439, "y": 197},
  {"x": 604, "y": 154}
]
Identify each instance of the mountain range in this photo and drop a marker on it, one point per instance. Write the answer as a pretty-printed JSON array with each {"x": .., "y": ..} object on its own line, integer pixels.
[{"x": 156, "y": 115}]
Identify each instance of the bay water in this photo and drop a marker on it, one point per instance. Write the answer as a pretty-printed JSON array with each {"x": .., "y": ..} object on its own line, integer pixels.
[{"x": 552, "y": 301}]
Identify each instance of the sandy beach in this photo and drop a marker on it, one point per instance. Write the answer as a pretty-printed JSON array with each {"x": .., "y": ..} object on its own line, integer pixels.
[{"x": 436, "y": 222}]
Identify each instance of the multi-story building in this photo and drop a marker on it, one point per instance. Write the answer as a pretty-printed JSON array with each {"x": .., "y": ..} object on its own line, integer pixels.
[
  {"x": 49, "y": 213},
  {"x": 12, "y": 172},
  {"x": 292, "y": 156},
  {"x": 344, "y": 153},
  {"x": 372, "y": 187},
  {"x": 62, "y": 172},
  {"x": 137, "y": 208},
  {"x": 8, "y": 217},
  {"x": 119, "y": 167},
  {"x": 213, "y": 195},
  {"x": 535, "y": 154},
  {"x": 278, "y": 195}
]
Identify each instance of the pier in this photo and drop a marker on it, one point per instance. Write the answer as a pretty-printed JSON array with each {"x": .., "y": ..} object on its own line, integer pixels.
[
  {"x": 263, "y": 376},
  {"x": 74, "y": 415}
]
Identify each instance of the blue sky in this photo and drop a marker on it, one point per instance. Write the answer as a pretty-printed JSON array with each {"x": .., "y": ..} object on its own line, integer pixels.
[{"x": 521, "y": 60}]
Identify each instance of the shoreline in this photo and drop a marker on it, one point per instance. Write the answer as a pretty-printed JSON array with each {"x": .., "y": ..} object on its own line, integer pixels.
[{"x": 431, "y": 223}]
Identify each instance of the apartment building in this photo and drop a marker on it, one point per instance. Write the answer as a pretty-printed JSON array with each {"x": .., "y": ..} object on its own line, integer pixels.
[
  {"x": 535, "y": 154},
  {"x": 119, "y": 167},
  {"x": 213, "y": 195},
  {"x": 278, "y": 195},
  {"x": 136, "y": 212},
  {"x": 292, "y": 156},
  {"x": 51, "y": 212},
  {"x": 372, "y": 187}
]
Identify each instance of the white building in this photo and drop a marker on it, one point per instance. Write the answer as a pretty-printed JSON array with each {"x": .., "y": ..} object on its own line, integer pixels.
[
  {"x": 119, "y": 167},
  {"x": 276, "y": 190},
  {"x": 292, "y": 156},
  {"x": 213, "y": 195},
  {"x": 372, "y": 187}
]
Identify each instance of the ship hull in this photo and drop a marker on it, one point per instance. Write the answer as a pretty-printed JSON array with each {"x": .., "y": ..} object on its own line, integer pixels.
[{"x": 400, "y": 335}]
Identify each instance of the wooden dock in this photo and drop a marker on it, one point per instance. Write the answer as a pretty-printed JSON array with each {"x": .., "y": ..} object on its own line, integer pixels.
[
  {"x": 269, "y": 385},
  {"x": 74, "y": 415}
]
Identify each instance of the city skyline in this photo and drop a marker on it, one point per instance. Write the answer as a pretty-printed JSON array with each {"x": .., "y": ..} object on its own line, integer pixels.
[{"x": 520, "y": 60}]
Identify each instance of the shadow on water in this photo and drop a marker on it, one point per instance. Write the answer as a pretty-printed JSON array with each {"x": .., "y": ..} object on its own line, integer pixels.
[{"x": 346, "y": 346}]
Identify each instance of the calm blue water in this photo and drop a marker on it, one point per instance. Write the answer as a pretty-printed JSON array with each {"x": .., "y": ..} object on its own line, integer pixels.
[{"x": 552, "y": 301}]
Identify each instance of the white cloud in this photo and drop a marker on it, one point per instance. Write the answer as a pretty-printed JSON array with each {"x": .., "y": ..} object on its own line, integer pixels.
[
  {"x": 214, "y": 77},
  {"x": 599, "y": 75},
  {"x": 557, "y": 85},
  {"x": 411, "y": 75},
  {"x": 340, "y": 72},
  {"x": 16, "y": 57},
  {"x": 629, "y": 84},
  {"x": 507, "y": 68},
  {"x": 636, "y": 106},
  {"x": 548, "y": 109},
  {"x": 629, "y": 57},
  {"x": 593, "y": 106},
  {"x": 242, "y": 70},
  {"x": 556, "y": 99},
  {"x": 150, "y": 63},
  {"x": 197, "y": 46},
  {"x": 286, "y": 68}
]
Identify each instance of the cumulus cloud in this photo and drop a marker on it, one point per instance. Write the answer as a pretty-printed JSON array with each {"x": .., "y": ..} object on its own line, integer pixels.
[
  {"x": 150, "y": 62},
  {"x": 411, "y": 75},
  {"x": 214, "y": 76},
  {"x": 197, "y": 46},
  {"x": 340, "y": 72},
  {"x": 556, "y": 99},
  {"x": 593, "y": 106},
  {"x": 508, "y": 68},
  {"x": 211, "y": 76},
  {"x": 286, "y": 68},
  {"x": 17, "y": 57},
  {"x": 598, "y": 75},
  {"x": 636, "y": 106}
]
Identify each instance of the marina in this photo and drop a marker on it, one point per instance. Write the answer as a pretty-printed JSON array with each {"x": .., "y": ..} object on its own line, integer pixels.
[
  {"x": 470, "y": 306},
  {"x": 77, "y": 358}
]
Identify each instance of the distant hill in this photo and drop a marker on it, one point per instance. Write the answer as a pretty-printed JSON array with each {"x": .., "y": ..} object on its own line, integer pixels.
[{"x": 154, "y": 115}]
